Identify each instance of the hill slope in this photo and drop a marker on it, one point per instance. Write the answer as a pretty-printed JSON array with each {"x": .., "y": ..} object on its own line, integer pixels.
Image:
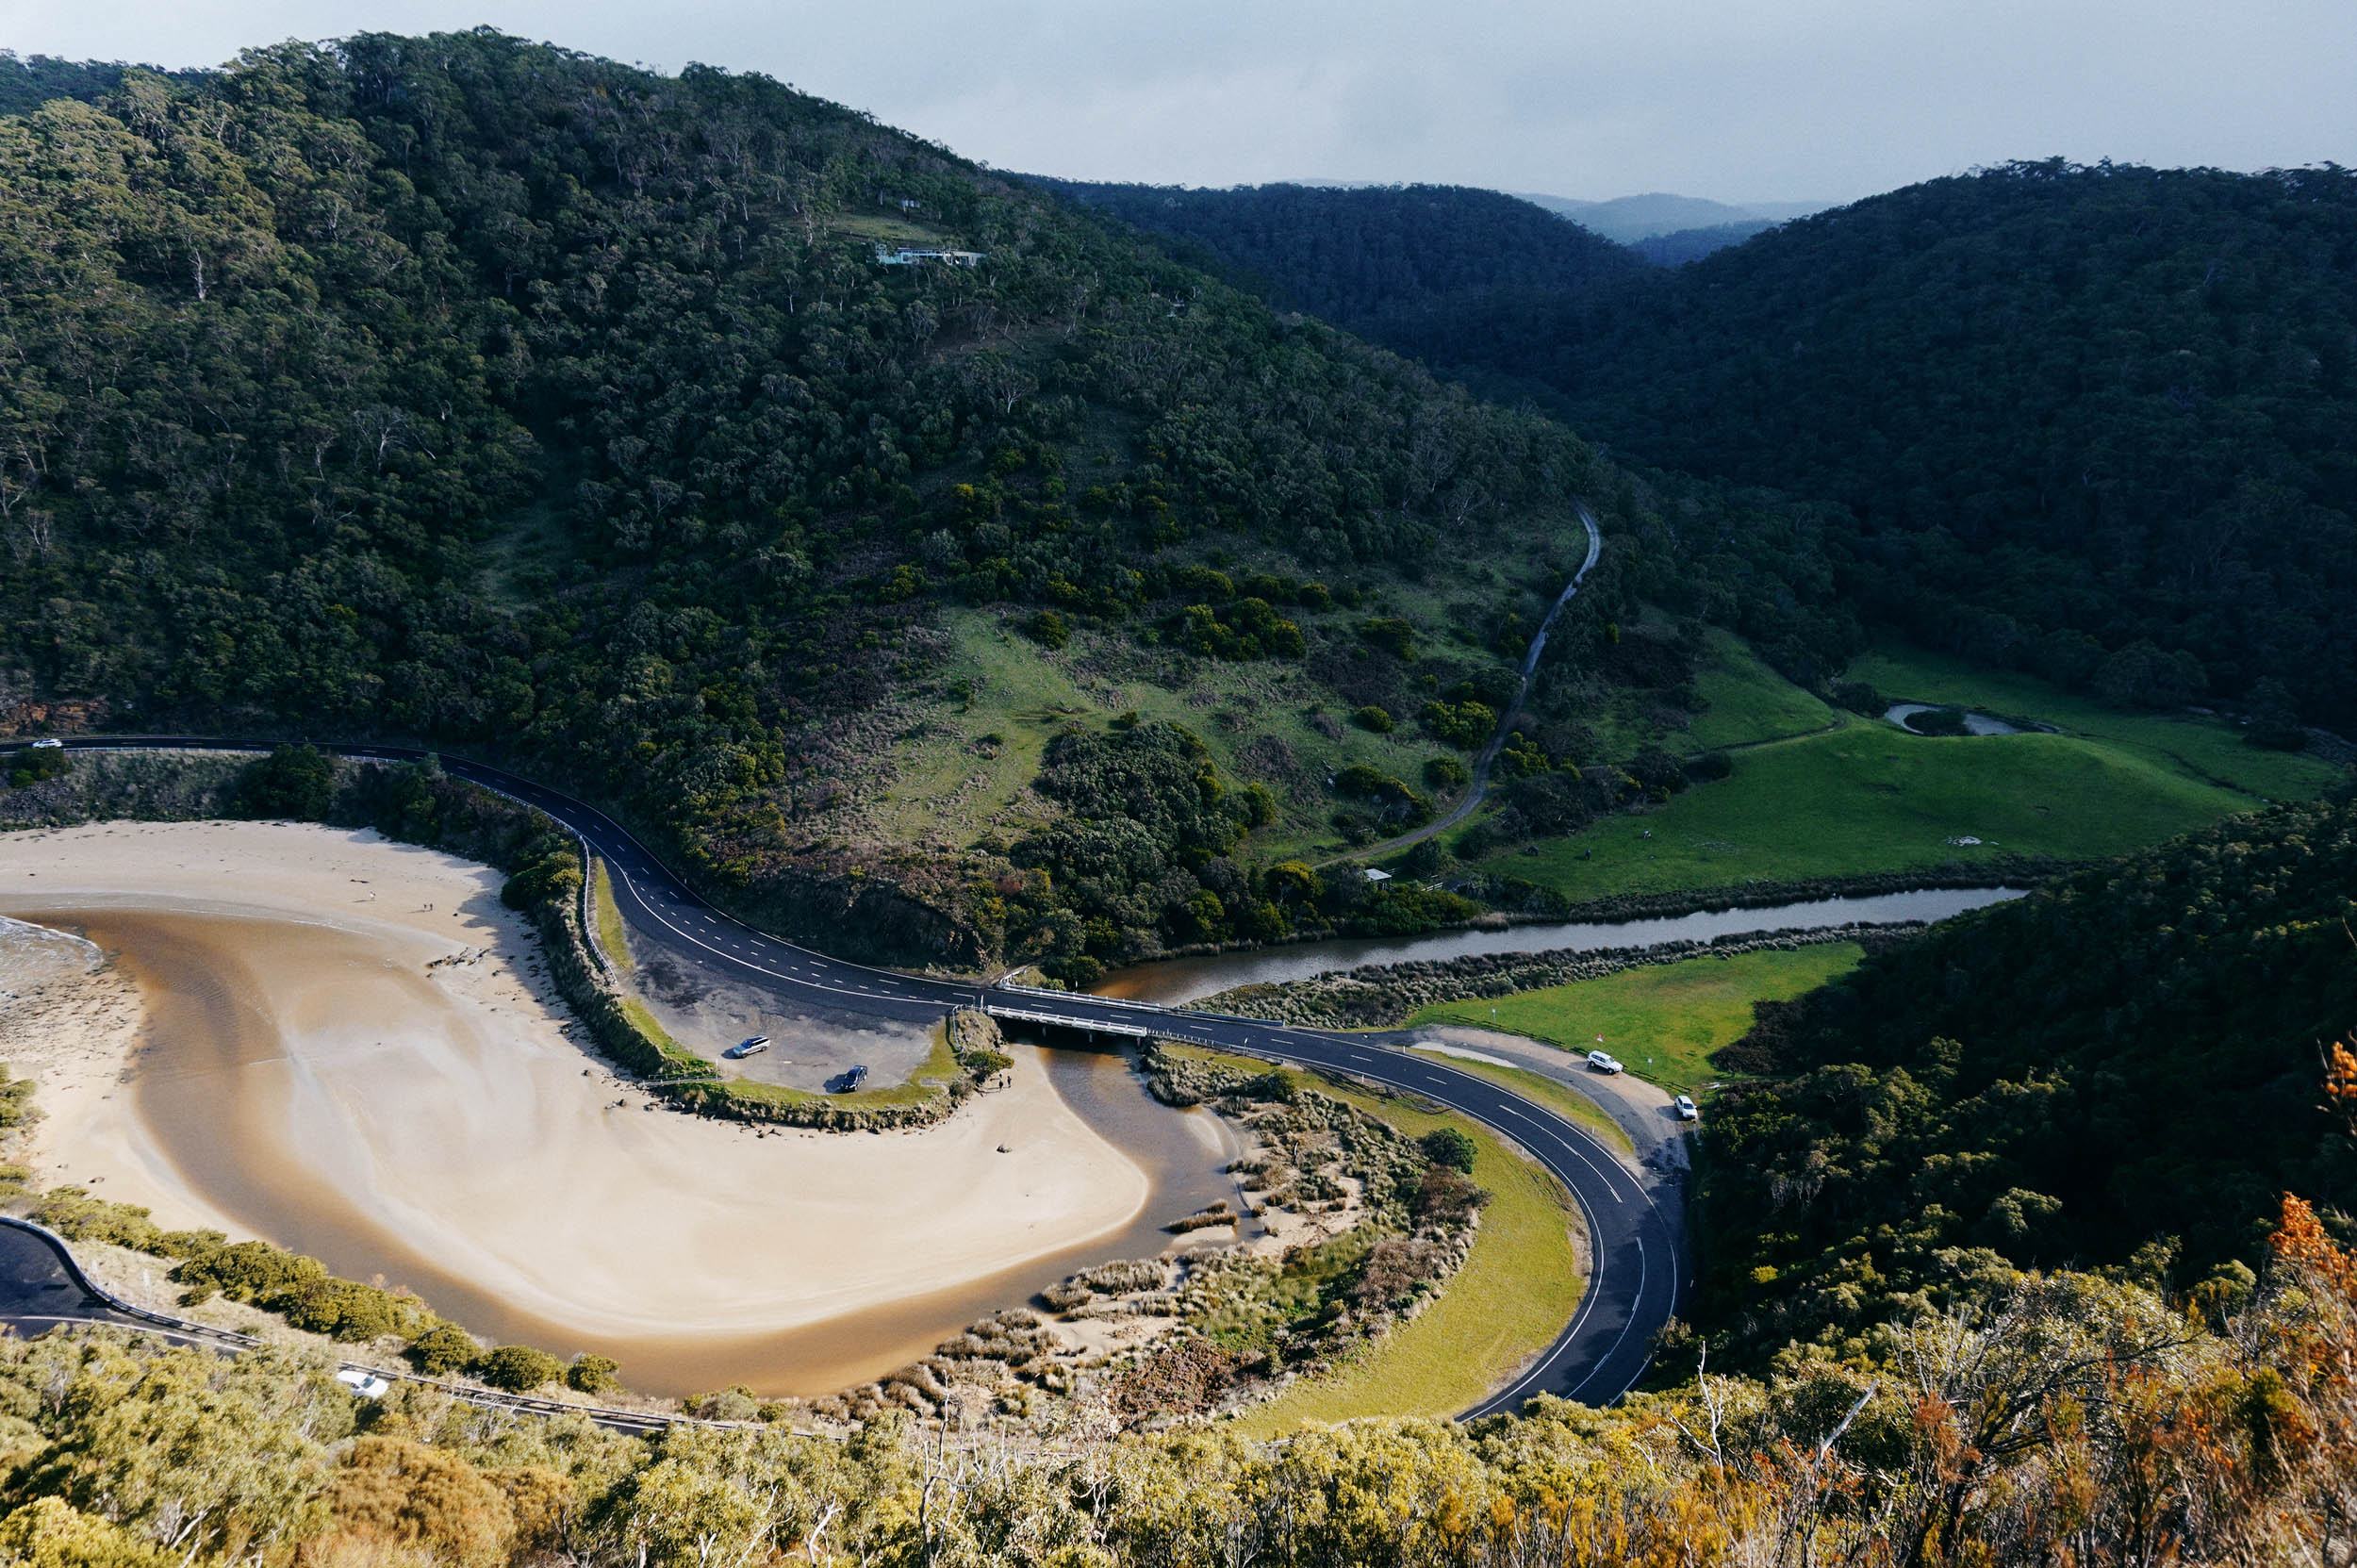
[
  {"x": 2083, "y": 420},
  {"x": 1359, "y": 256},
  {"x": 500, "y": 397},
  {"x": 2125, "y": 1067}
]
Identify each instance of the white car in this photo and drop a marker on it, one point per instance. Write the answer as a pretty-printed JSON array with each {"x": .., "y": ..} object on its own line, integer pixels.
[
  {"x": 1684, "y": 1106},
  {"x": 743, "y": 1049},
  {"x": 1604, "y": 1062},
  {"x": 367, "y": 1384},
  {"x": 48, "y": 746}
]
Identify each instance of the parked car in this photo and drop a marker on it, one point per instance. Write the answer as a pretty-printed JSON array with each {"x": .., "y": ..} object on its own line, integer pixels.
[
  {"x": 49, "y": 746},
  {"x": 743, "y": 1049},
  {"x": 1684, "y": 1105},
  {"x": 367, "y": 1385},
  {"x": 1604, "y": 1062},
  {"x": 853, "y": 1078}
]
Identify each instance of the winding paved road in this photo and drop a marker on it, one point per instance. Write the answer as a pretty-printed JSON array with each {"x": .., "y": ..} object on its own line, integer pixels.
[
  {"x": 1638, "y": 1275},
  {"x": 1479, "y": 785}
]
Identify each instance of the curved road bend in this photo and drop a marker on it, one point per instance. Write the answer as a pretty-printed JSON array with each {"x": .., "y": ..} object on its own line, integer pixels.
[
  {"x": 44, "y": 1286},
  {"x": 1637, "y": 1275},
  {"x": 1479, "y": 783}
]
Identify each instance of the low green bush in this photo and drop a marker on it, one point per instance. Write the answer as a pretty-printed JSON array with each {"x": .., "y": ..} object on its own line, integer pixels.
[
  {"x": 518, "y": 1368},
  {"x": 1451, "y": 1147},
  {"x": 29, "y": 767},
  {"x": 295, "y": 782},
  {"x": 443, "y": 1350},
  {"x": 1373, "y": 718},
  {"x": 590, "y": 1374}
]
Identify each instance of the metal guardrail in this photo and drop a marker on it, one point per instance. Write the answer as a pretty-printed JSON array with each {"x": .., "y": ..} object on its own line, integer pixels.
[
  {"x": 1094, "y": 1026},
  {"x": 227, "y": 1339}
]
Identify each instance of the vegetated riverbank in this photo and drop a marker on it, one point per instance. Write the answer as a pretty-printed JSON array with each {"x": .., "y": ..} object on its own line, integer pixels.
[
  {"x": 1343, "y": 1230},
  {"x": 1386, "y": 996},
  {"x": 392, "y": 1087},
  {"x": 1185, "y": 981}
]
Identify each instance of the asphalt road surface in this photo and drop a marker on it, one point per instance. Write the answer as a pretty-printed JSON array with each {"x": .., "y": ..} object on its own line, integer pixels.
[{"x": 1637, "y": 1273}]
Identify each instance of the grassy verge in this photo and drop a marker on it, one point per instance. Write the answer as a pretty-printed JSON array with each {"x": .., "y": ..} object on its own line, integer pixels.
[
  {"x": 2205, "y": 748},
  {"x": 1563, "y": 1101},
  {"x": 1869, "y": 798},
  {"x": 1518, "y": 1288},
  {"x": 1663, "y": 1020},
  {"x": 613, "y": 940}
]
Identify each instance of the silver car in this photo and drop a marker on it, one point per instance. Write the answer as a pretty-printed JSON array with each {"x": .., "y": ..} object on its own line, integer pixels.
[
  {"x": 1684, "y": 1105},
  {"x": 1604, "y": 1062},
  {"x": 743, "y": 1049}
]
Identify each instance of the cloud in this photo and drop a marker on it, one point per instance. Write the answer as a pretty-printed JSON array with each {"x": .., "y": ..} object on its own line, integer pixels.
[{"x": 1738, "y": 99}]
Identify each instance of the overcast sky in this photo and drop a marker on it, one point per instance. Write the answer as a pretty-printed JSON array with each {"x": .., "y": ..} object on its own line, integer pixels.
[{"x": 1765, "y": 100}]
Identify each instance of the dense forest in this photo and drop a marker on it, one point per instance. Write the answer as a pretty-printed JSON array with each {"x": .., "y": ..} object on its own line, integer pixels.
[
  {"x": 505, "y": 398},
  {"x": 2122, "y": 1069},
  {"x": 2079, "y": 420},
  {"x": 1362, "y": 255}
]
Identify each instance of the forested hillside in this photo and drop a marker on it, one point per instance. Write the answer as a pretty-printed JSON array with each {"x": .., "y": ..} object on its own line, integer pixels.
[
  {"x": 2126, "y": 1068},
  {"x": 1359, "y": 256},
  {"x": 497, "y": 396},
  {"x": 2082, "y": 421}
]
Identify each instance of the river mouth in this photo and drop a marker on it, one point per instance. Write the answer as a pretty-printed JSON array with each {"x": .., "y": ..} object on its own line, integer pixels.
[
  {"x": 1175, "y": 981},
  {"x": 302, "y": 1084}
]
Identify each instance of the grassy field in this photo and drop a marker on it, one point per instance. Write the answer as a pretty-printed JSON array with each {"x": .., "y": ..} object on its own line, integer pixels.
[
  {"x": 2206, "y": 748},
  {"x": 1749, "y": 703},
  {"x": 1518, "y": 1288},
  {"x": 1870, "y": 798},
  {"x": 952, "y": 782},
  {"x": 1662, "y": 1020}
]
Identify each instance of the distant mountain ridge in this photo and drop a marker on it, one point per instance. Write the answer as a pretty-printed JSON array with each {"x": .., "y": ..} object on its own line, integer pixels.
[
  {"x": 1362, "y": 255},
  {"x": 1631, "y": 219}
]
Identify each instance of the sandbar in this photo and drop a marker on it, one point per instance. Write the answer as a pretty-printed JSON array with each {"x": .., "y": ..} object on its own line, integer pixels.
[{"x": 364, "y": 1039}]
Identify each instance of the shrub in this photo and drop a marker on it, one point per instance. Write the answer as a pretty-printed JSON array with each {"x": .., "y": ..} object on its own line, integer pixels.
[
  {"x": 1447, "y": 773},
  {"x": 727, "y": 1404},
  {"x": 1464, "y": 725},
  {"x": 247, "y": 1272},
  {"x": 1293, "y": 881},
  {"x": 1858, "y": 696},
  {"x": 518, "y": 1368},
  {"x": 592, "y": 1374},
  {"x": 1451, "y": 1147},
  {"x": 340, "y": 1309},
  {"x": 980, "y": 1065},
  {"x": 1424, "y": 858},
  {"x": 72, "y": 1213},
  {"x": 443, "y": 1350},
  {"x": 1392, "y": 635},
  {"x": 293, "y": 781},
  {"x": 1048, "y": 629},
  {"x": 1710, "y": 767},
  {"x": 1373, "y": 718},
  {"x": 31, "y": 767},
  {"x": 549, "y": 870},
  {"x": 1276, "y": 1084}
]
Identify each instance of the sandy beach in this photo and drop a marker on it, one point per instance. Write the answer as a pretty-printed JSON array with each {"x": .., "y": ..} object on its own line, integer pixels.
[{"x": 347, "y": 1038}]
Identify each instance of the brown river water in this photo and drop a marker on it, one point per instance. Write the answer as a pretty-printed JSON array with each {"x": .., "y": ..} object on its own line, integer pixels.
[{"x": 234, "y": 1114}]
